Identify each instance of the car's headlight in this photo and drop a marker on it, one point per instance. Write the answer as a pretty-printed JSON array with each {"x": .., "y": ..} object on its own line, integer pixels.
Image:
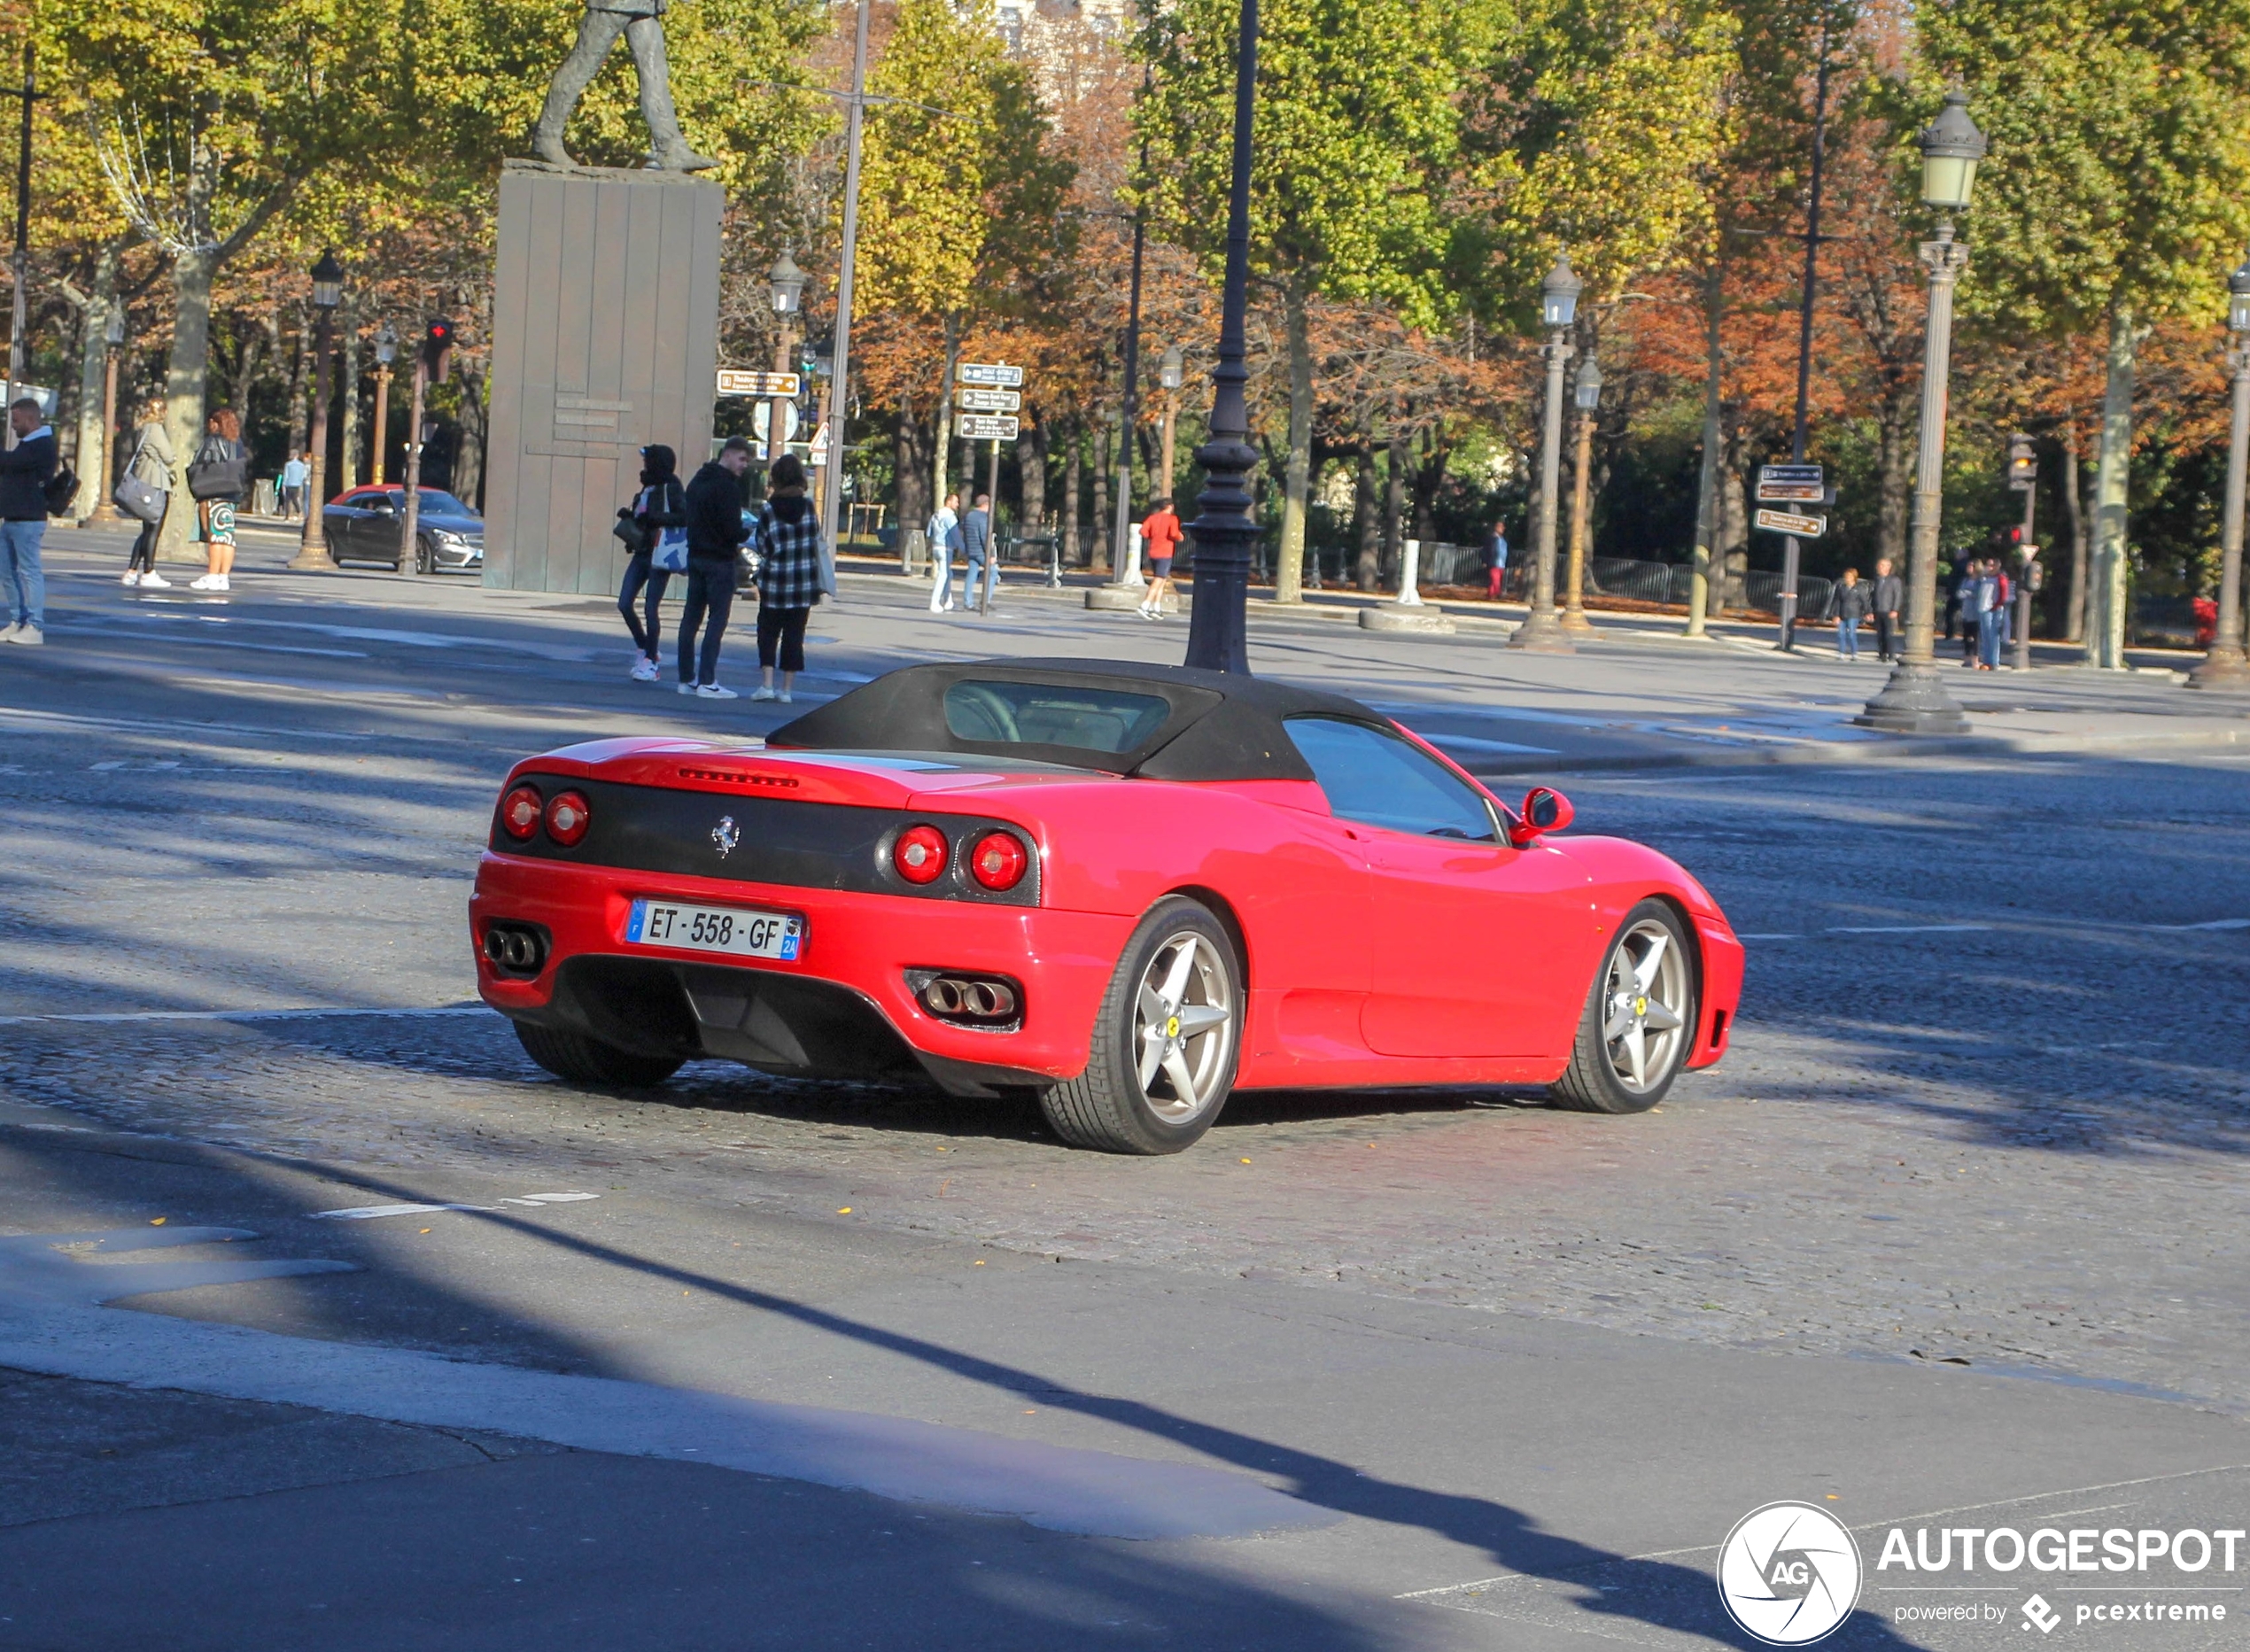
[{"x": 445, "y": 536}]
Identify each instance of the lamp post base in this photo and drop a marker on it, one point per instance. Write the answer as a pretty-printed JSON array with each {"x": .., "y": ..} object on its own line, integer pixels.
[
  {"x": 1575, "y": 621},
  {"x": 1914, "y": 701},
  {"x": 1541, "y": 634},
  {"x": 2224, "y": 668},
  {"x": 313, "y": 559}
]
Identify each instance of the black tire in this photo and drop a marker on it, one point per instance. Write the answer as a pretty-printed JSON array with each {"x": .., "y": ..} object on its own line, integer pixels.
[
  {"x": 1109, "y": 1107},
  {"x": 1597, "y": 1080},
  {"x": 578, "y": 1060},
  {"x": 425, "y": 556}
]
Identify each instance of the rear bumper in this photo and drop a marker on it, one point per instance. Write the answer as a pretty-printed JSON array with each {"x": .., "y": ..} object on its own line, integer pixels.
[
  {"x": 1722, "y": 990},
  {"x": 842, "y": 1009}
]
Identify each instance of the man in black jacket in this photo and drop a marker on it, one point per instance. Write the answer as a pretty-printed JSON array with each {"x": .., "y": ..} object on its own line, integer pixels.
[
  {"x": 715, "y": 535},
  {"x": 23, "y": 470},
  {"x": 1891, "y": 596}
]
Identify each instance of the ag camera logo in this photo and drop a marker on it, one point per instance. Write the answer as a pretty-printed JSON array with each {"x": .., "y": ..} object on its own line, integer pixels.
[{"x": 1790, "y": 1573}]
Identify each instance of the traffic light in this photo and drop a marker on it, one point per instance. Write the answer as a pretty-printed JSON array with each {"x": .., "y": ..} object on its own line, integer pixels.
[
  {"x": 437, "y": 349},
  {"x": 2023, "y": 464}
]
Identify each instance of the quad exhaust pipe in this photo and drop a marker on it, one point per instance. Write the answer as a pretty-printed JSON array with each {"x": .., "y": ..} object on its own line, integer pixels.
[
  {"x": 970, "y": 1000},
  {"x": 517, "y": 950}
]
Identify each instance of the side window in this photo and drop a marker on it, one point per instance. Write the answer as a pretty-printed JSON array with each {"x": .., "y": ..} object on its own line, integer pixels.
[{"x": 1380, "y": 780}]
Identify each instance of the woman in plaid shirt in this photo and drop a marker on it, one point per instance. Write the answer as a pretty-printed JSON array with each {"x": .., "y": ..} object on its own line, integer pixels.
[{"x": 788, "y": 578}]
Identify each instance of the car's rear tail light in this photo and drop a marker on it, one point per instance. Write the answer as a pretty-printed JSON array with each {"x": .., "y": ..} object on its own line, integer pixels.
[
  {"x": 999, "y": 860},
  {"x": 567, "y": 817},
  {"x": 519, "y": 813},
  {"x": 920, "y": 853}
]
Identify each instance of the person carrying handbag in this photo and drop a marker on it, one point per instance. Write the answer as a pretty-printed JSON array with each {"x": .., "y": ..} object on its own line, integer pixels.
[
  {"x": 788, "y": 578},
  {"x": 217, "y": 481},
  {"x": 655, "y": 528},
  {"x": 144, "y": 493}
]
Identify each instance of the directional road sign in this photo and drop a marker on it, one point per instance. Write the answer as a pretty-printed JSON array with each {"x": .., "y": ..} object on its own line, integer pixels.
[
  {"x": 1802, "y": 484},
  {"x": 983, "y": 427},
  {"x": 975, "y": 400},
  {"x": 999, "y": 374},
  {"x": 733, "y": 382},
  {"x": 1788, "y": 522}
]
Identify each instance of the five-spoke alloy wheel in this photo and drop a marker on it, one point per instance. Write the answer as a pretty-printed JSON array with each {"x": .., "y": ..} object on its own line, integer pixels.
[
  {"x": 1165, "y": 1040},
  {"x": 1639, "y": 1017}
]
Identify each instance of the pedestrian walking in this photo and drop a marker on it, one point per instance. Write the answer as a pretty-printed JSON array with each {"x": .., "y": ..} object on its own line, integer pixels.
[
  {"x": 1496, "y": 561},
  {"x": 1891, "y": 596},
  {"x": 658, "y": 519},
  {"x": 788, "y": 578},
  {"x": 1848, "y": 606},
  {"x": 1963, "y": 611},
  {"x": 296, "y": 476},
  {"x": 943, "y": 534},
  {"x": 976, "y": 548},
  {"x": 216, "y": 482},
  {"x": 151, "y": 467},
  {"x": 25, "y": 471},
  {"x": 716, "y": 534},
  {"x": 1160, "y": 532}
]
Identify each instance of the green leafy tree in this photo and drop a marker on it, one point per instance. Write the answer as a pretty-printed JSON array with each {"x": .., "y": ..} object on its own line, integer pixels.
[
  {"x": 960, "y": 182},
  {"x": 1357, "y": 132},
  {"x": 2112, "y": 198}
]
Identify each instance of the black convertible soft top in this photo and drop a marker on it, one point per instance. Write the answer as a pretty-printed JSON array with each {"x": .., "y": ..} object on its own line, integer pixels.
[{"x": 1220, "y": 726}]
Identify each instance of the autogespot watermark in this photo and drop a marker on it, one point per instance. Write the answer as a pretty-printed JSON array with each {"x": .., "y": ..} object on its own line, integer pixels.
[{"x": 1790, "y": 1574}]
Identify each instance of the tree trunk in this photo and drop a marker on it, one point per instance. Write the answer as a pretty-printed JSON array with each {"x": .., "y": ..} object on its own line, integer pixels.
[
  {"x": 248, "y": 359},
  {"x": 1894, "y": 474},
  {"x": 348, "y": 470},
  {"x": 1288, "y": 565},
  {"x": 942, "y": 426},
  {"x": 1097, "y": 559},
  {"x": 2073, "y": 508},
  {"x": 911, "y": 465},
  {"x": 468, "y": 467},
  {"x": 1429, "y": 477},
  {"x": 96, "y": 445},
  {"x": 1708, "y": 516},
  {"x": 1031, "y": 471},
  {"x": 1367, "y": 519},
  {"x": 1394, "y": 468},
  {"x": 1734, "y": 530},
  {"x": 184, "y": 373},
  {"x": 2112, "y": 575},
  {"x": 1072, "y": 462}
]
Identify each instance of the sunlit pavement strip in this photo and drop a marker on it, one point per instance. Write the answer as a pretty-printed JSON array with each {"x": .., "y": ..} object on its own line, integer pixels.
[
  {"x": 240, "y": 1015},
  {"x": 1964, "y": 929},
  {"x": 53, "y": 1321},
  {"x": 370, "y": 1212}
]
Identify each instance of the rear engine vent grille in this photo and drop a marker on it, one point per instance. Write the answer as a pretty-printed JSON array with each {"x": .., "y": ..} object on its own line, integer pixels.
[{"x": 736, "y": 777}]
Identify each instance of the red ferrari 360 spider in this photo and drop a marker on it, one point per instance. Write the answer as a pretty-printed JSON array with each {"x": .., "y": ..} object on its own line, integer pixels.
[{"x": 1129, "y": 889}]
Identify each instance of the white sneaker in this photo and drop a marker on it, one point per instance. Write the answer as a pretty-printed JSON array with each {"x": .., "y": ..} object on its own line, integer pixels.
[
  {"x": 220, "y": 583},
  {"x": 644, "y": 670},
  {"x": 27, "y": 636},
  {"x": 763, "y": 693},
  {"x": 204, "y": 581},
  {"x": 132, "y": 577},
  {"x": 787, "y": 698},
  {"x": 712, "y": 691},
  {"x": 8, "y": 635},
  {"x": 154, "y": 581},
  {"x": 688, "y": 688}
]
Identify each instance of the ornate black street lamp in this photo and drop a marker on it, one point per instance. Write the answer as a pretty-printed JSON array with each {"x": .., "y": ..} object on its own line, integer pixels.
[
  {"x": 1914, "y": 700},
  {"x": 2224, "y": 666},
  {"x": 1542, "y": 631},
  {"x": 1224, "y": 528},
  {"x": 328, "y": 292}
]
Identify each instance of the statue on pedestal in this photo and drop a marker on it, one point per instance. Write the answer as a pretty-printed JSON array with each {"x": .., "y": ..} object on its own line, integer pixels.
[{"x": 641, "y": 23}]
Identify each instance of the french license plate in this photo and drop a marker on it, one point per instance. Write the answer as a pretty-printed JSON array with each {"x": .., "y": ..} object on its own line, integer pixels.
[{"x": 728, "y": 929}]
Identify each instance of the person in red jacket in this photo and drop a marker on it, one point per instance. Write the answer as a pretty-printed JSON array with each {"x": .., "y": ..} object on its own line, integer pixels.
[{"x": 1161, "y": 534}]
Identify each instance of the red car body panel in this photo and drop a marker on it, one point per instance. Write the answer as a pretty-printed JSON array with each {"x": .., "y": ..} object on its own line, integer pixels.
[{"x": 1371, "y": 957}]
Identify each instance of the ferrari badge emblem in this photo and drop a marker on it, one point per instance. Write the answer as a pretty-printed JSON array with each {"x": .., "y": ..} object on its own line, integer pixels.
[{"x": 726, "y": 836}]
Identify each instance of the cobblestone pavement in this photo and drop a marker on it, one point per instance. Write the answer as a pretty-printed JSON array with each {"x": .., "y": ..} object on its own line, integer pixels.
[{"x": 1986, "y": 1101}]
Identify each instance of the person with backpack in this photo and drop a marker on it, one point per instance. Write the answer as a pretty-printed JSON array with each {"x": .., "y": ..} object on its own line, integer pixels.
[
  {"x": 149, "y": 472},
  {"x": 28, "y": 474},
  {"x": 655, "y": 527},
  {"x": 716, "y": 534},
  {"x": 788, "y": 578},
  {"x": 217, "y": 481}
]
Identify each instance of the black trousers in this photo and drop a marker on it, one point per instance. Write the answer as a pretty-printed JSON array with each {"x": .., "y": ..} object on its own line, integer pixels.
[
  {"x": 785, "y": 626},
  {"x": 1886, "y": 636},
  {"x": 143, "y": 557},
  {"x": 710, "y": 593},
  {"x": 642, "y": 574}
]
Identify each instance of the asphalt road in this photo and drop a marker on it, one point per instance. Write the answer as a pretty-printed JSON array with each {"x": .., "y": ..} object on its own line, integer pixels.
[{"x": 1958, "y": 1226}]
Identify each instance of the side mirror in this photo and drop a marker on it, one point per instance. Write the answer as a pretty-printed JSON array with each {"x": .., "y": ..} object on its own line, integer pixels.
[
  {"x": 1544, "y": 811},
  {"x": 383, "y": 508}
]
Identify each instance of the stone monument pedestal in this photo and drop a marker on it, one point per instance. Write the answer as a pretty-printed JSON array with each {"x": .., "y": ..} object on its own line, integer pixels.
[{"x": 605, "y": 338}]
